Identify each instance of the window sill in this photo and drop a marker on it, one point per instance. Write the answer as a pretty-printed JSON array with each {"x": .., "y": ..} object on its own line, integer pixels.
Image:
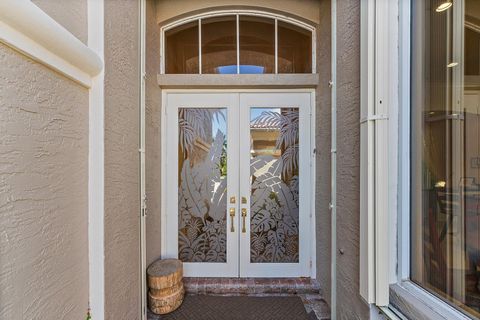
[
  {"x": 417, "y": 303},
  {"x": 248, "y": 81}
]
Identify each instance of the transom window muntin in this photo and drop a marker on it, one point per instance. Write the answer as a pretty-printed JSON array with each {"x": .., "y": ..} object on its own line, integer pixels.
[{"x": 275, "y": 54}]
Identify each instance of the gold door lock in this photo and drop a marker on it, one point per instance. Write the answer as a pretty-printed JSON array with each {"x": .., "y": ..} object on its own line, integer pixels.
[
  {"x": 232, "y": 217},
  {"x": 244, "y": 215}
]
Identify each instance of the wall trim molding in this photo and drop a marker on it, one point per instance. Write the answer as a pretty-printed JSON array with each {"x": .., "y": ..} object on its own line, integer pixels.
[
  {"x": 96, "y": 166},
  {"x": 252, "y": 81},
  {"x": 27, "y": 29}
]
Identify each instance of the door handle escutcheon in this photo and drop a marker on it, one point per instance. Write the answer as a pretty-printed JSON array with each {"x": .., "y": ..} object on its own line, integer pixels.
[
  {"x": 244, "y": 215},
  {"x": 232, "y": 216}
]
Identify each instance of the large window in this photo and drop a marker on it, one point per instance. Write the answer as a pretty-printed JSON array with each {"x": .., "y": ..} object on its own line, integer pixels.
[
  {"x": 238, "y": 43},
  {"x": 445, "y": 145}
]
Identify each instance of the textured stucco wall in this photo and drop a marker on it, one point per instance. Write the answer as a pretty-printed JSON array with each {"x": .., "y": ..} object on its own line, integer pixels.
[
  {"x": 349, "y": 303},
  {"x": 307, "y": 9},
  {"x": 71, "y": 14},
  {"x": 43, "y": 192},
  {"x": 122, "y": 250},
  {"x": 323, "y": 142},
  {"x": 152, "y": 135}
]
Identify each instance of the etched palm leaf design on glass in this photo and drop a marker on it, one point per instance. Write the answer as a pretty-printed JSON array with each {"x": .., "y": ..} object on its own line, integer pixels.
[
  {"x": 274, "y": 174},
  {"x": 202, "y": 185}
]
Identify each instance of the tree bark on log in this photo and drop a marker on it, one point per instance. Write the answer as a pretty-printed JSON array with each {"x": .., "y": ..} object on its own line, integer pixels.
[{"x": 165, "y": 284}]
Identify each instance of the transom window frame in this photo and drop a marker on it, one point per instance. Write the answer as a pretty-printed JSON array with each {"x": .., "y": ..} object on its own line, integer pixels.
[{"x": 219, "y": 13}]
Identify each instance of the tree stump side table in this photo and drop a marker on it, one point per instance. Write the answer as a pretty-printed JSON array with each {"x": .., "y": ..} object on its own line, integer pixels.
[{"x": 165, "y": 285}]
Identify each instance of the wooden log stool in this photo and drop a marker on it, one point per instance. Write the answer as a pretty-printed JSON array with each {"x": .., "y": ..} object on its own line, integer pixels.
[{"x": 165, "y": 285}]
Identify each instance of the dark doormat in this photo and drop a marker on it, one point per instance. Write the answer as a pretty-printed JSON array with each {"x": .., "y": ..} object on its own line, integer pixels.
[{"x": 203, "y": 307}]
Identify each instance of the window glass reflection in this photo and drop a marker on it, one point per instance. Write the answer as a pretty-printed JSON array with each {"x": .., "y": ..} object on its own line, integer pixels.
[
  {"x": 219, "y": 45},
  {"x": 446, "y": 151},
  {"x": 294, "y": 49},
  {"x": 181, "y": 54},
  {"x": 257, "y": 45},
  {"x": 218, "y": 52}
]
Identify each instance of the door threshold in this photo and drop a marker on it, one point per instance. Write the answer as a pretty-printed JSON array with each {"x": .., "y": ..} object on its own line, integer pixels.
[
  {"x": 306, "y": 288},
  {"x": 251, "y": 286}
]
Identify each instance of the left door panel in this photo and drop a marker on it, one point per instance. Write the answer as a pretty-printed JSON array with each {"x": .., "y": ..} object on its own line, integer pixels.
[{"x": 201, "y": 209}]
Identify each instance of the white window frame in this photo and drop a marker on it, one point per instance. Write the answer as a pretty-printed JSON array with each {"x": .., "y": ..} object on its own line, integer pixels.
[
  {"x": 385, "y": 269},
  {"x": 218, "y": 13},
  {"x": 404, "y": 133}
]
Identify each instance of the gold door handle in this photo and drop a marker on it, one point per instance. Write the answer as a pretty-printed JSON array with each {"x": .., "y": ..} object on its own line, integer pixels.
[
  {"x": 244, "y": 215},
  {"x": 232, "y": 216}
]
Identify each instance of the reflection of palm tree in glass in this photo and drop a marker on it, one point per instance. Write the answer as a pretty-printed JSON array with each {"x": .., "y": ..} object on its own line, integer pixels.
[
  {"x": 196, "y": 123},
  {"x": 286, "y": 121}
]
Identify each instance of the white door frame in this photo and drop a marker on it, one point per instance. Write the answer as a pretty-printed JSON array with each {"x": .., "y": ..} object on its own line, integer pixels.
[{"x": 310, "y": 260}]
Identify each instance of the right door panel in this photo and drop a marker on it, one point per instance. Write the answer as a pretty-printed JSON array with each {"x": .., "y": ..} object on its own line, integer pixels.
[{"x": 275, "y": 161}]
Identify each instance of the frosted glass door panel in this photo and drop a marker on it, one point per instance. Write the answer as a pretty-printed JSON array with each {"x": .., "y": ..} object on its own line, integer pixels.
[
  {"x": 274, "y": 176},
  {"x": 202, "y": 184}
]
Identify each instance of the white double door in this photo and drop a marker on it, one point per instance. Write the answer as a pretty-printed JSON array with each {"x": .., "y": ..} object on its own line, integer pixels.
[{"x": 237, "y": 183}]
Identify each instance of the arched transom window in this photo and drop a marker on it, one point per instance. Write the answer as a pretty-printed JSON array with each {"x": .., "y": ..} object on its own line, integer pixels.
[{"x": 245, "y": 42}]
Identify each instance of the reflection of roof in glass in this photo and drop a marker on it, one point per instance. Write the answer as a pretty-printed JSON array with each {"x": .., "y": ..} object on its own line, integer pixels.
[
  {"x": 260, "y": 123},
  {"x": 263, "y": 125}
]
